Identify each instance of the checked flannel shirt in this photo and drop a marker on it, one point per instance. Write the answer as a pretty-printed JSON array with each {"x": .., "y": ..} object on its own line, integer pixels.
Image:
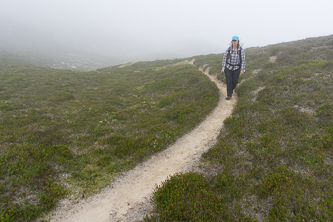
[{"x": 234, "y": 59}]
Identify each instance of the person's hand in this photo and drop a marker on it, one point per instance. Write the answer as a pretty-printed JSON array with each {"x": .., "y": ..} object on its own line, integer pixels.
[
  {"x": 222, "y": 71},
  {"x": 242, "y": 73}
]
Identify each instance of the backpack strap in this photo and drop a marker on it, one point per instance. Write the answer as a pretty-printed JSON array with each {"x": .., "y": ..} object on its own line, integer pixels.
[
  {"x": 240, "y": 56},
  {"x": 228, "y": 55}
]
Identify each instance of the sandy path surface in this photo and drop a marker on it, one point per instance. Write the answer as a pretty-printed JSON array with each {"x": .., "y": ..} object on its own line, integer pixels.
[{"x": 127, "y": 198}]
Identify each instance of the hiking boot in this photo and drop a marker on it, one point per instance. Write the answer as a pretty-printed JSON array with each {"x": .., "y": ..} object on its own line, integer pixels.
[{"x": 228, "y": 98}]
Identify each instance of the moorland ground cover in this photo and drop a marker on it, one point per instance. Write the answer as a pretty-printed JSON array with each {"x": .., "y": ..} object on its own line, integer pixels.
[
  {"x": 66, "y": 133},
  {"x": 274, "y": 157}
]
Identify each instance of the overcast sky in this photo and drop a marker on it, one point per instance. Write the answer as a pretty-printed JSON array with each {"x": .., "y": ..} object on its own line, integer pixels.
[{"x": 185, "y": 27}]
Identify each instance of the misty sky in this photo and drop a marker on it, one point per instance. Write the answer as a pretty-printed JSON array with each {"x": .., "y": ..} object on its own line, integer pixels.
[{"x": 173, "y": 27}]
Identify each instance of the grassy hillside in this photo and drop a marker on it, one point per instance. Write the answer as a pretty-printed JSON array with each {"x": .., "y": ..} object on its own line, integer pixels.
[
  {"x": 274, "y": 157},
  {"x": 65, "y": 133}
]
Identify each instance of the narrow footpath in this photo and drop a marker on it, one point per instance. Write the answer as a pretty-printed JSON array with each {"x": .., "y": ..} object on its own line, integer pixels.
[{"x": 127, "y": 198}]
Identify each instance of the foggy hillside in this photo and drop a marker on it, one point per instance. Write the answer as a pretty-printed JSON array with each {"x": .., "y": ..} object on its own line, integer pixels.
[
  {"x": 41, "y": 48},
  {"x": 85, "y": 34},
  {"x": 64, "y": 135},
  {"x": 84, "y": 52}
]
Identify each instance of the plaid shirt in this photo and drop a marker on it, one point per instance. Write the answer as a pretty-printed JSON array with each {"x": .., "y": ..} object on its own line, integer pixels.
[{"x": 234, "y": 60}]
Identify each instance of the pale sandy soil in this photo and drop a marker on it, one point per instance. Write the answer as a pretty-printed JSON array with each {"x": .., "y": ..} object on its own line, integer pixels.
[
  {"x": 272, "y": 58},
  {"x": 127, "y": 197}
]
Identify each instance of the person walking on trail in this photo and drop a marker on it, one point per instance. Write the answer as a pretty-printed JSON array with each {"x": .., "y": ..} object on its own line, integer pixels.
[{"x": 233, "y": 65}]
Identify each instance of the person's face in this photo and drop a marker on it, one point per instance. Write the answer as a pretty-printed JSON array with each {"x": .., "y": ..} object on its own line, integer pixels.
[{"x": 234, "y": 43}]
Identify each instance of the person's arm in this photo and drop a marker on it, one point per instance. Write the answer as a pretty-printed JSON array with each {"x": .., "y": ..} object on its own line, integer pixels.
[
  {"x": 243, "y": 62},
  {"x": 224, "y": 61}
]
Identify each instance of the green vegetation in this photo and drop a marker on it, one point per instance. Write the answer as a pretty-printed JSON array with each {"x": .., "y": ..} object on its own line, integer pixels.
[
  {"x": 65, "y": 133},
  {"x": 274, "y": 157}
]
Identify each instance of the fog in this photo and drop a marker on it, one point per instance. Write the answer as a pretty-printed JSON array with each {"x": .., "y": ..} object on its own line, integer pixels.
[{"x": 129, "y": 30}]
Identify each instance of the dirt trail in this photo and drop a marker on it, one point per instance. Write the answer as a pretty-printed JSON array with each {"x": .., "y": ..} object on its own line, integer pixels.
[{"x": 127, "y": 198}]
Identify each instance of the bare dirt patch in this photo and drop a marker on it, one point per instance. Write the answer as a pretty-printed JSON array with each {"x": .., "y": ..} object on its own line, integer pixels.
[
  {"x": 127, "y": 197},
  {"x": 255, "y": 93},
  {"x": 272, "y": 58}
]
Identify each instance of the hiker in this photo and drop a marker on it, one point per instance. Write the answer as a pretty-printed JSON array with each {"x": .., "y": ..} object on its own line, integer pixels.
[{"x": 233, "y": 65}]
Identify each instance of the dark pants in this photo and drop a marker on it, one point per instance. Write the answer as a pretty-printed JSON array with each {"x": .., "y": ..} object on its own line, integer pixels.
[{"x": 231, "y": 77}]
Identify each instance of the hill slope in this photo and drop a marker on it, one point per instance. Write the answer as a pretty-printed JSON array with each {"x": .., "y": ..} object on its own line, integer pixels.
[
  {"x": 274, "y": 157},
  {"x": 70, "y": 133},
  {"x": 67, "y": 134},
  {"x": 127, "y": 199}
]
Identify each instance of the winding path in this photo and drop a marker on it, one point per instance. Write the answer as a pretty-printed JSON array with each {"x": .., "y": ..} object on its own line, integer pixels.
[{"x": 128, "y": 196}]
